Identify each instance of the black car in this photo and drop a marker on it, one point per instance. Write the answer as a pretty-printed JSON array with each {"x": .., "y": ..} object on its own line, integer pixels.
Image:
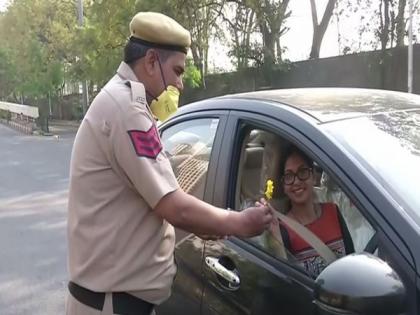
[{"x": 365, "y": 145}]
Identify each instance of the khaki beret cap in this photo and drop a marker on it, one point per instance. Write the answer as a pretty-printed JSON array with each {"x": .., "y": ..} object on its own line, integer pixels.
[{"x": 160, "y": 31}]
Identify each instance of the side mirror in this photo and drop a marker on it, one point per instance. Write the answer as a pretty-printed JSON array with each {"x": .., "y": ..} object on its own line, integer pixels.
[{"x": 359, "y": 284}]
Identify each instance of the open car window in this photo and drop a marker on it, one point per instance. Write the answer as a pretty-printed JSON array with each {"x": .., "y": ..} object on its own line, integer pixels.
[{"x": 344, "y": 229}]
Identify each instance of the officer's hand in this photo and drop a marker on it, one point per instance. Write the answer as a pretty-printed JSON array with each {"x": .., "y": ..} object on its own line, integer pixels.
[
  {"x": 255, "y": 220},
  {"x": 261, "y": 203}
]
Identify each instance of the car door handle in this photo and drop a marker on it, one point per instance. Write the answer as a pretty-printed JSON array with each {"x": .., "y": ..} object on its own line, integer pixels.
[{"x": 230, "y": 276}]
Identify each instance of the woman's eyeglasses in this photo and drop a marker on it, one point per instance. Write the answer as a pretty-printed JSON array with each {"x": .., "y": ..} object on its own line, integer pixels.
[{"x": 303, "y": 174}]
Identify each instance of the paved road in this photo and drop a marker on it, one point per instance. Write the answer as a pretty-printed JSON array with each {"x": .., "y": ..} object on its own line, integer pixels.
[{"x": 33, "y": 191}]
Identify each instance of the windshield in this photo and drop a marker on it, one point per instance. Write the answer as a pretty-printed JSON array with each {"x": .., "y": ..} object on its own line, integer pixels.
[{"x": 388, "y": 145}]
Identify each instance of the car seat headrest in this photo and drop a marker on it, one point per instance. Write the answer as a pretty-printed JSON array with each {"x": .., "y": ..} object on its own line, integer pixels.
[{"x": 254, "y": 157}]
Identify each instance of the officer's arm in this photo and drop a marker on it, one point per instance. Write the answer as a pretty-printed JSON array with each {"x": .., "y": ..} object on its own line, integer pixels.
[
  {"x": 137, "y": 149},
  {"x": 193, "y": 215}
]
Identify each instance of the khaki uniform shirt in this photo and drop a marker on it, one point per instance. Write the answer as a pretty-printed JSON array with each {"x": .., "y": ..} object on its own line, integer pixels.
[{"x": 118, "y": 174}]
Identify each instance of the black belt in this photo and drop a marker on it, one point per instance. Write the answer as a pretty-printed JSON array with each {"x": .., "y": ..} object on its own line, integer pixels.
[{"x": 123, "y": 303}]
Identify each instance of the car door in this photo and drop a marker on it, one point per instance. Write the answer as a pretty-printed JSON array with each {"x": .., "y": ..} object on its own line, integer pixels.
[
  {"x": 192, "y": 144},
  {"x": 266, "y": 284},
  {"x": 240, "y": 276}
]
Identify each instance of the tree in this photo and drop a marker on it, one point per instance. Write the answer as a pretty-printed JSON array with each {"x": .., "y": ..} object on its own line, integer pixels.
[
  {"x": 241, "y": 26},
  {"x": 98, "y": 46},
  {"x": 320, "y": 28},
  {"x": 7, "y": 74},
  {"x": 200, "y": 18},
  {"x": 392, "y": 23},
  {"x": 256, "y": 29},
  {"x": 271, "y": 16},
  {"x": 384, "y": 19},
  {"x": 385, "y": 16},
  {"x": 400, "y": 23},
  {"x": 43, "y": 29}
]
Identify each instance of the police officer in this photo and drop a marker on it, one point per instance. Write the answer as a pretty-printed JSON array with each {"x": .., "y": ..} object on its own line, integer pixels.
[{"x": 124, "y": 198}]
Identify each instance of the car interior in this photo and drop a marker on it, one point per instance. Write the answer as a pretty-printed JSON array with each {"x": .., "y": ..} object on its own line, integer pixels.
[
  {"x": 259, "y": 161},
  {"x": 190, "y": 164}
]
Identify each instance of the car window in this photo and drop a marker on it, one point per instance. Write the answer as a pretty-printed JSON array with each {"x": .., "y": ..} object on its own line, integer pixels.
[
  {"x": 336, "y": 221},
  {"x": 382, "y": 136},
  {"x": 360, "y": 229},
  {"x": 188, "y": 146}
]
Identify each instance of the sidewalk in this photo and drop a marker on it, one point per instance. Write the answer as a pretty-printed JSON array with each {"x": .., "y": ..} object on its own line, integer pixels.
[
  {"x": 56, "y": 127},
  {"x": 63, "y": 127}
]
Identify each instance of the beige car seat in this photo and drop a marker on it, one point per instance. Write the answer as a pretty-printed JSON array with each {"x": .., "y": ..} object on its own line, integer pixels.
[
  {"x": 273, "y": 148},
  {"x": 260, "y": 161},
  {"x": 250, "y": 175}
]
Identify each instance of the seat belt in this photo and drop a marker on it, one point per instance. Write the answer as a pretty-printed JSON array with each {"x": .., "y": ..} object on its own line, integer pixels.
[{"x": 324, "y": 251}]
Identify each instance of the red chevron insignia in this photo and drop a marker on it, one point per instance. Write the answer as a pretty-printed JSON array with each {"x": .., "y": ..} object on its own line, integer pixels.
[{"x": 146, "y": 143}]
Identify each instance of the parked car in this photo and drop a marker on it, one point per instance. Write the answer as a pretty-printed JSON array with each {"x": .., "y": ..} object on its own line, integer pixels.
[{"x": 366, "y": 149}]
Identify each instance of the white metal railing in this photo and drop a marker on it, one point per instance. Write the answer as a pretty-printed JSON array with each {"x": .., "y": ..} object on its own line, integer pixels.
[{"x": 25, "y": 110}]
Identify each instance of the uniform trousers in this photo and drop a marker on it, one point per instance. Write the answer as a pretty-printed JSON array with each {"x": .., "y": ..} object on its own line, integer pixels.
[{"x": 74, "y": 307}]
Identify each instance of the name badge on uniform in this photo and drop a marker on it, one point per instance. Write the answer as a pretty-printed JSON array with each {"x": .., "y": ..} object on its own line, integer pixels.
[{"x": 141, "y": 100}]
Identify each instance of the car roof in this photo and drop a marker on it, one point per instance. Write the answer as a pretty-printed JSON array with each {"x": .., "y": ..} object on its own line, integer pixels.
[{"x": 331, "y": 104}]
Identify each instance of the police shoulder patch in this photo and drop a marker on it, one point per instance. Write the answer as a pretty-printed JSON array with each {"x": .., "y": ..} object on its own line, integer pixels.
[{"x": 146, "y": 143}]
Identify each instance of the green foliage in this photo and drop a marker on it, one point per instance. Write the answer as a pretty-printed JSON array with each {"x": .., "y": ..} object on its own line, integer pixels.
[
  {"x": 99, "y": 44},
  {"x": 36, "y": 36},
  {"x": 7, "y": 74},
  {"x": 43, "y": 47},
  {"x": 192, "y": 75}
]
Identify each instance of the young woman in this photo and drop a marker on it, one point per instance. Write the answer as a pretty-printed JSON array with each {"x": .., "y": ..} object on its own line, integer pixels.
[{"x": 322, "y": 219}]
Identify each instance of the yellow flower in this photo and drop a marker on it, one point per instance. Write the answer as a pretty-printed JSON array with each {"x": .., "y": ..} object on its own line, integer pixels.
[{"x": 269, "y": 189}]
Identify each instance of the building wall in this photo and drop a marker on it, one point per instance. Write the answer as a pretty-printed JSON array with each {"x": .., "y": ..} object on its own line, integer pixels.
[{"x": 362, "y": 70}]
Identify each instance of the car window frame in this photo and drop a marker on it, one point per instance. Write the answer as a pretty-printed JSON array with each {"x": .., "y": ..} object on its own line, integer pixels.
[{"x": 222, "y": 116}]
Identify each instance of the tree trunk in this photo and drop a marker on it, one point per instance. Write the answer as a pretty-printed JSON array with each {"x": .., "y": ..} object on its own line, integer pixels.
[
  {"x": 205, "y": 66},
  {"x": 278, "y": 47},
  {"x": 384, "y": 36},
  {"x": 247, "y": 46},
  {"x": 320, "y": 29},
  {"x": 283, "y": 13},
  {"x": 401, "y": 23},
  {"x": 60, "y": 110},
  {"x": 269, "y": 44},
  {"x": 316, "y": 45}
]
